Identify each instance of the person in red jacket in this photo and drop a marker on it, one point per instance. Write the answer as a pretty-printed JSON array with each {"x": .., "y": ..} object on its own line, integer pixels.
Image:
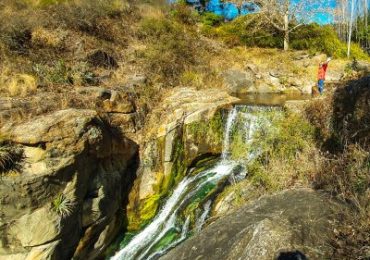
[{"x": 321, "y": 74}]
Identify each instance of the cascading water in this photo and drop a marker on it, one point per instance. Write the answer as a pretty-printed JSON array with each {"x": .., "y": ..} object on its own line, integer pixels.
[{"x": 171, "y": 226}]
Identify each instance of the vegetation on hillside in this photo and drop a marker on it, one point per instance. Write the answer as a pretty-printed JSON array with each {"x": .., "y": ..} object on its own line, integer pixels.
[
  {"x": 342, "y": 122},
  {"x": 57, "y": 43},
  {"x": 251, "y": 32}
]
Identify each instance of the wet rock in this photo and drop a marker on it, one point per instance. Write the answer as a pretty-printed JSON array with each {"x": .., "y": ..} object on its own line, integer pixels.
[{"x": 284, "y": 222}]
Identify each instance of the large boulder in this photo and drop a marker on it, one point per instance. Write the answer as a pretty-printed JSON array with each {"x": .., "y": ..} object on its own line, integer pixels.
[
  {"x": 238, "y": 81},
  {"x": 291, "y": 222},
  {"x": 66, "y": 198}
]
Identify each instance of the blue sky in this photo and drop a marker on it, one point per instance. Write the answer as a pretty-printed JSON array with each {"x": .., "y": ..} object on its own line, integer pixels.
[{"x": 325, "y": 17}]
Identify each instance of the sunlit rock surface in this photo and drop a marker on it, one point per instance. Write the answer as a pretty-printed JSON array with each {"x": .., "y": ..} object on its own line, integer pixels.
[{"x": 292, "y": 220}]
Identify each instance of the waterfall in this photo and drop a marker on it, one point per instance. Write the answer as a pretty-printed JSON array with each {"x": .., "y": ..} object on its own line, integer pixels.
[
  {"x": 206, "y": 209},
  {"x": 169, "y": 228},
  {"x": 229, "y": 123}
]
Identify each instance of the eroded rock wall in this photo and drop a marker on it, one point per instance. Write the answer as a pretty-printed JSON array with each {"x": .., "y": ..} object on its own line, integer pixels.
[{"x": 67, "y": 199}]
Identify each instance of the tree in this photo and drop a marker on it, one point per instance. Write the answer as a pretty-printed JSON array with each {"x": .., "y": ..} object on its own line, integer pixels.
[
  {"x": 350, "y": 28},
  {"x": 287, "y": 15},
  {"x": 351, "y": 20}
]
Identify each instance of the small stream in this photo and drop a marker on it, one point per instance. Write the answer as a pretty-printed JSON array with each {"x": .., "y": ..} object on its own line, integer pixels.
[{"x": 186, "y": 210}]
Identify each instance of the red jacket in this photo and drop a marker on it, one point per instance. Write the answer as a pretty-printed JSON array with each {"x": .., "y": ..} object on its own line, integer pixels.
[{"x": 322, "y": 71}]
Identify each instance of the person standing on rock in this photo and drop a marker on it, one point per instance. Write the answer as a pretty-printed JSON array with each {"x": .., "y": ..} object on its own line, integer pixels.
[{"x": 323, "y": 66}]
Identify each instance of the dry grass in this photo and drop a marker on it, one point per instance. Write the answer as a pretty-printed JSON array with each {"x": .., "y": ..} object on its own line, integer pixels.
[
  {"x": 46, "y": 38},
  {"x": 17, "y": 84},
  {"x": 10, "y": 157}
]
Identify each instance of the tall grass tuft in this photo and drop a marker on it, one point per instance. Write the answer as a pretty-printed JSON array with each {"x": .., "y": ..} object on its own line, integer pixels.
[{"x": 63, "y": 205}]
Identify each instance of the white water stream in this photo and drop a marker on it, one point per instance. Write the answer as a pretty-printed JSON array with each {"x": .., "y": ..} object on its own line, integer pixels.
[{"x": 167, "y": 219}]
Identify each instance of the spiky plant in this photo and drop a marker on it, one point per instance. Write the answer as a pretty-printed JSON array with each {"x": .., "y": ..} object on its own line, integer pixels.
[{"x": 63, "y": 205}]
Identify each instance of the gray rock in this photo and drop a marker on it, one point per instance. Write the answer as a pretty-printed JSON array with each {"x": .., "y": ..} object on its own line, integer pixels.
[
  {"x": 361, "y": 66},
  {"x": 288, "y": 221},
  {"x": 238, "y": 82},
  {"x": 95, "y": 92},
  {"x": 36, "y": 228},
  {"x": 137, "y": 80}
]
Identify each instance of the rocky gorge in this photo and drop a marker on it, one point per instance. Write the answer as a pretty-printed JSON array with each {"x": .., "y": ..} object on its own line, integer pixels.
[{"x": 86, "y": 175}]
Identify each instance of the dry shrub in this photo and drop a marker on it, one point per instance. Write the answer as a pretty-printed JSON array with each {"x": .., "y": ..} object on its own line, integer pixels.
[
  {"x": 102, "y": 19},
  {"x": 347, "y": 177},
  {"x": 320, "y": 114},
  {"x": 46, "y": 38},
  {"x": 347, "y": 174},
  {"x": 18, "y": 84},
  {"x": 342, "y": 124},
  {"x": 171, "y": 49}
]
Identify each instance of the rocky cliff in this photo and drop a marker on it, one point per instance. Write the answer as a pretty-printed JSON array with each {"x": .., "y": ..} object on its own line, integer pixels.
[
  {"x": 68, "y": 195},
  {"x": 67, "y": 198}
]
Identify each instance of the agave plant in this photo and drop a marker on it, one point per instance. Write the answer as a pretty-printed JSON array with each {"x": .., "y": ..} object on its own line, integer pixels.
[{"x": 63, "y": 205}]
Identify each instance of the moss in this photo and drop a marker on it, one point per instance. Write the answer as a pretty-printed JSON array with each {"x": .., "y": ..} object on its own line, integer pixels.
[
  {"x": 169, "y": 237},
  {"x": 203, "y": 165},
  {"x": 208, "y": 132},
  {"x": 148, "y": 208},
  {"x": 199, "y": 198},
  {"x": 179, "y": 167}
]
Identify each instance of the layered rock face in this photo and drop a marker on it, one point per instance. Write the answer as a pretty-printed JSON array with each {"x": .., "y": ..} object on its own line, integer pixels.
[
  {"x": 290, "y": 223},
  {"x": 116, "y": 105},
  {"x": 67, "y": 198},
  {"x": 190, "y": 129}
]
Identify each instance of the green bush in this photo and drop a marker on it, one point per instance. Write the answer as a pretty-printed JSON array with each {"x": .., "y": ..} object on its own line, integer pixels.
[
  {"x": 279, "y": 147},
  {"x": 211, "y": 19},
  {"x": 316, "y": 38},
  {"x": 246, "y": 30},
  {"x": 292, "y": 135},
  {"x": 252, "y": 31}
]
